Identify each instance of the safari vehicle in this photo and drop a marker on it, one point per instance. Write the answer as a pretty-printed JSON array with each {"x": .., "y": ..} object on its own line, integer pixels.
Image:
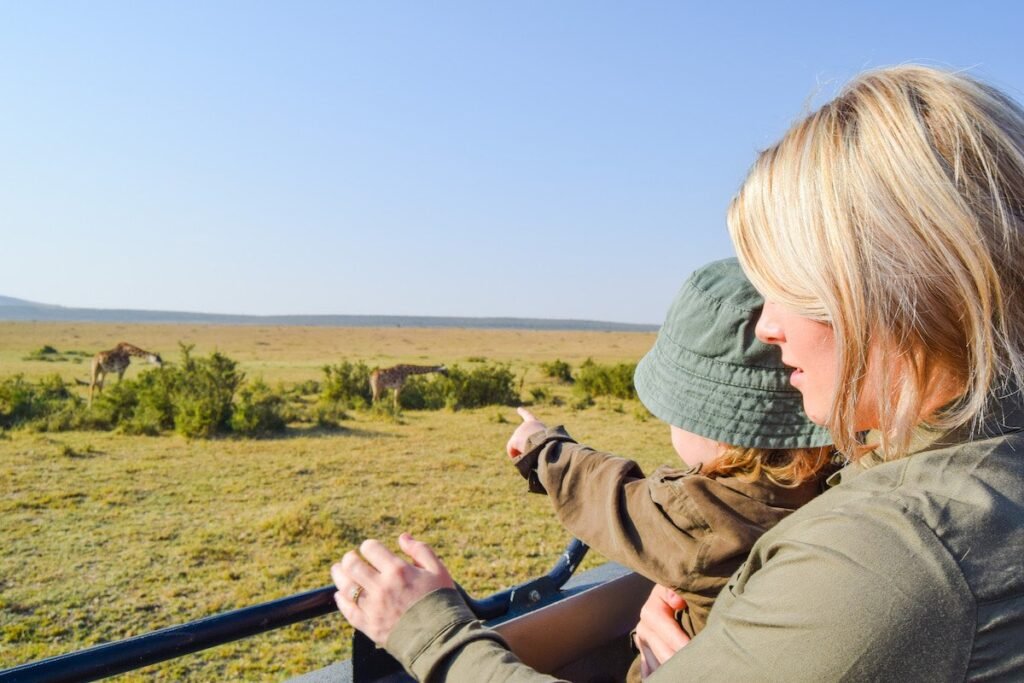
[{"x": 574, "y": 627}]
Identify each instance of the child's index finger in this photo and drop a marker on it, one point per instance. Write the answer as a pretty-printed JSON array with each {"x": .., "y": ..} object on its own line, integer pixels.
[{"x": 526, "y": 414}]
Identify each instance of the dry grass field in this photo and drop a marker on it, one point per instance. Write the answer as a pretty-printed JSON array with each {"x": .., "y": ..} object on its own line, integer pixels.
[{"x": 106, "y": 536}]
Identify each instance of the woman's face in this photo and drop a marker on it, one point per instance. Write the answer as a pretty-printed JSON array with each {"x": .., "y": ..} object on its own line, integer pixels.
[{"x": 809, "y": 346}]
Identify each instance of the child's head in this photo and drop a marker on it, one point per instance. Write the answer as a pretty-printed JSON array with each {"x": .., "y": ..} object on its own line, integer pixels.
[{"x": 727, "y": 395}]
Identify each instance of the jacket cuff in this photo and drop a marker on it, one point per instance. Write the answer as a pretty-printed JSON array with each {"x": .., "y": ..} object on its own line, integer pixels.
[
  {"x": 434, "y": 628},
  {"x": 535, "y": 445}
]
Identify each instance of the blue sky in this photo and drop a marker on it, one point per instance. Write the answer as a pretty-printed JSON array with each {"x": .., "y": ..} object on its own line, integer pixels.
[{"x": 533, "y": 159}]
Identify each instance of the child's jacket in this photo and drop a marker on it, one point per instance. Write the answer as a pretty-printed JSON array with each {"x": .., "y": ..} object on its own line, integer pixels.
[{"x": 678, "y": 528}]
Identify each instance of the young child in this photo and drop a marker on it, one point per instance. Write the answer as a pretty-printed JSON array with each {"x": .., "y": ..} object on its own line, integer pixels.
[{"x": 752, "y": 455}]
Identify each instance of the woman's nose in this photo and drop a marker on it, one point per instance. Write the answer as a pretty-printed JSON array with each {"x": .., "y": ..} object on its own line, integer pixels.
[{"x": 768, "y": 328}]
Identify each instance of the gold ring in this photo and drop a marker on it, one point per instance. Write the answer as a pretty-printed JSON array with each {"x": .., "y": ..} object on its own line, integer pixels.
[{"x": 355, "y": 593}]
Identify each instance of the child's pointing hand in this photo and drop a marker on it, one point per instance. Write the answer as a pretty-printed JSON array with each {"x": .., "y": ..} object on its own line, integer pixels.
[{"x": 530, "y": 426}]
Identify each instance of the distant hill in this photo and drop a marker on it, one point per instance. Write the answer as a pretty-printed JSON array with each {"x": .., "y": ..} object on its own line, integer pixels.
[{"x": 19, "y": 309}]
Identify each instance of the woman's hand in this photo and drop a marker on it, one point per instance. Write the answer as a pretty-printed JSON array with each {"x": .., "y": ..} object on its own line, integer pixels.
[
  {"x": 659, "y": 635},
  {"x": 530, "y": 426},
  {"x": 375, "y": 590}
]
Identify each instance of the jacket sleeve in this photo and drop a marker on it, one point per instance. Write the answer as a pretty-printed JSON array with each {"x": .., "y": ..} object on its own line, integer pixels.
[
  {"x": 439, "y": 639},
  {"x": 608, "y": 503}
]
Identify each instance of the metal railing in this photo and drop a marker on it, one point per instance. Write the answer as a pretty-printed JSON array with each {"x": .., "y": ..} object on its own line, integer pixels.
[{"x": 118, "y": 657}]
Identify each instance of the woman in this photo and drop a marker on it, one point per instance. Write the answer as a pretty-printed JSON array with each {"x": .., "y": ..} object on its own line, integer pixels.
[{"x": 886, "y": 232}]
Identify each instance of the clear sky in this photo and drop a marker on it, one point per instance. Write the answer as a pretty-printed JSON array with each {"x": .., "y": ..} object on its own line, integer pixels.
[{"x": 528, "y": 158}]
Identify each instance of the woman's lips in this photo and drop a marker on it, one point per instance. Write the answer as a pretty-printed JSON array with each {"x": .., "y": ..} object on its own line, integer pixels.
[{"x": 796, "y": 378}]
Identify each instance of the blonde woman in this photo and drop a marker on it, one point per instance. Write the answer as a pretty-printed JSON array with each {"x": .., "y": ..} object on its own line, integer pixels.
[{"x": 886, "y": 232}]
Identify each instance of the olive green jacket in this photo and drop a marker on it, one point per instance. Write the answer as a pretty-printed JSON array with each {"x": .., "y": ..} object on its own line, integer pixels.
[
  {"x": 908, "y": 570},
  {"x": 677, "y": 528}
]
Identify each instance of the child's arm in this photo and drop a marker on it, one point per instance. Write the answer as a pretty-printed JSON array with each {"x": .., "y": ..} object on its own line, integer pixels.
[{"x": 607, "y": 502}]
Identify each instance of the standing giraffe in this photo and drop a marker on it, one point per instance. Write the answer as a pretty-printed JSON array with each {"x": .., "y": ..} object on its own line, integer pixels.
[
  {"x": 383, "y": 379},
  {"x": 116, "y": 360}
]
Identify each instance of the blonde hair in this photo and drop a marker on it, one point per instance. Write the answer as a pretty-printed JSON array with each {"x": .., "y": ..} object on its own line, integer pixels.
[
  {"x": 785, "y": 467},
  {"x": 894, "y": 213}
]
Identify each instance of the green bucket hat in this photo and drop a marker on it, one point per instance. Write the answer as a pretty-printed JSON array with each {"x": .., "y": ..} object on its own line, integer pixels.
[{"x": 708, "y": 374}]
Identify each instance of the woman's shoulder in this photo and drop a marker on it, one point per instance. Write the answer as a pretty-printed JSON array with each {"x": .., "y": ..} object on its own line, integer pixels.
[{"x": 964, "y": 502}]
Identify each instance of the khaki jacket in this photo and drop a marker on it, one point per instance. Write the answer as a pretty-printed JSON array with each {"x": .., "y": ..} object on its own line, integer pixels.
[
  {"x": 912, "y": 570},
  {"x": 677, "y": 528}
]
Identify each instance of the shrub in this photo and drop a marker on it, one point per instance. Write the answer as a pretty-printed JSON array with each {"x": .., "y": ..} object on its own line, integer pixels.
[
  {"x": 426, "y": 393},
  {"x": 309, "y": 387},
  {"x": 594, "y": 379},
  {"x": 540, "y": 395},
  {"x": 23, "y": 402},
  {"x": 52, "y": 355},
  {"x": 203, "y": 394},
  {"x": 258, "y": 411},
  {"x": 558, "y": 369},
  {"x": 487, "y": 385},
  {"x": 328, "y": 415},
  {"x": 195, "y": 398},
  {"x": 45, "y": 352},
  {"x": 346, "y": 385}
]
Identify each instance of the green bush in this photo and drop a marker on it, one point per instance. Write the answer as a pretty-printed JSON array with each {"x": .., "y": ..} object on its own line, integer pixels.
[
  {"x": 540, "y": 395},
  {"x": 310, "y": 387},
  {"x": 259, "y": 411},
  {"x": 346, "y": 385},
  {"x": 558, "y": 369},
  {"x": 115, "y": 405},
  {"x": 23, "y": 402},
  {"x": 594, "y": 379},
  {"x": 203, "y": 394},
  {"x": 196, "y": 398},
  {"x": 52, "y": 355},
  {"x": 428, "y": 392},
  {"x": 487, "y": 385}
]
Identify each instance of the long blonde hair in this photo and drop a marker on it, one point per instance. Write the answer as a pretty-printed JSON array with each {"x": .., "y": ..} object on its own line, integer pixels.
[{"x": 895, "y": 213}]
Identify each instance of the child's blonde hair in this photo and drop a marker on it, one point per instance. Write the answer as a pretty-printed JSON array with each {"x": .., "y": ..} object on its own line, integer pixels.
[
  {"x": 786, "y": 467},
  {"x": 894, "y": 213}
]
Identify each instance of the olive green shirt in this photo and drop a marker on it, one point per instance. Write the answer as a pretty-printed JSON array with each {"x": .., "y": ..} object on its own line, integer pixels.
[{"x": 908, "y": 570}]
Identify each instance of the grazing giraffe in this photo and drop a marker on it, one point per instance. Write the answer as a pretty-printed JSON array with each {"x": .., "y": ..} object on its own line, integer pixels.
[
  {"x": 383, "y": 379},
  {"x": 116, "y": 360}
]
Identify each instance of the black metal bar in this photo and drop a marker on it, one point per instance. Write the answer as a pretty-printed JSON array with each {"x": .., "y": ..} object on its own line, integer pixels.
[
  {"x": 150, "y": 648},
  {"x": 499, "y": 604}
]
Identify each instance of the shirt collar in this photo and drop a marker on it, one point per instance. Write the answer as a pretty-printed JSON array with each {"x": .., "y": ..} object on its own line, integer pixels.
[{"x": 1005, "y": 415}]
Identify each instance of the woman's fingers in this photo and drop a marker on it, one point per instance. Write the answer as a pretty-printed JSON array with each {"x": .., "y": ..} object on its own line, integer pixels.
[
  {"x": 356, "y": 569},
  {"x": 376, "y": 588},
  {"x": 377, "y": 554},
  {"x": 422, "y": 555},
  {"x": 341, "y": 572}
]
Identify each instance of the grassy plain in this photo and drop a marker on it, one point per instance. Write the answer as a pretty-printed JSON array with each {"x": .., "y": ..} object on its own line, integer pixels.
[{"x": 106, "y": 536}]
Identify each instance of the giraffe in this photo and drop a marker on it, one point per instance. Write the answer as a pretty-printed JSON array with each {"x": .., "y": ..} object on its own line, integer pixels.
[
  {"x": 116, "y": 360},
  {"x": 383, "y": 379}
]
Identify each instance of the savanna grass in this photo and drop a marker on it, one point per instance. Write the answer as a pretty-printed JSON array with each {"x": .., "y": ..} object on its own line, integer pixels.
[{"x": 109, "y": 535}]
